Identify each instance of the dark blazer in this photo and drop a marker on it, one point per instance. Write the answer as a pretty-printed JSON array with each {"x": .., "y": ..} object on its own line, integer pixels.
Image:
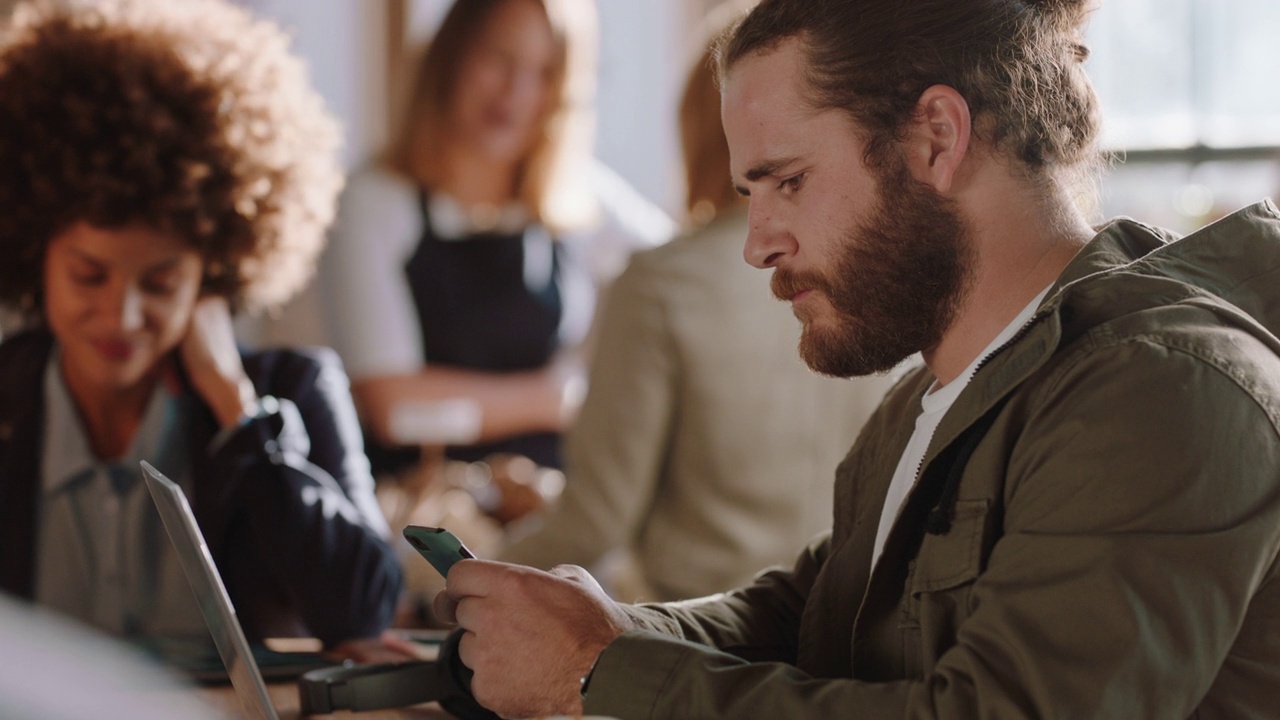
[{"x": 285, "y": 503}]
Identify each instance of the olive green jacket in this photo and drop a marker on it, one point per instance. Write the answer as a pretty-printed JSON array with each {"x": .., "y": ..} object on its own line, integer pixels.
[{"x": 1109, "y": 550}]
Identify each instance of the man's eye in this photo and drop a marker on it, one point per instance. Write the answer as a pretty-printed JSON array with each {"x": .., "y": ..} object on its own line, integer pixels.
[{"x": 792, "y": 184}]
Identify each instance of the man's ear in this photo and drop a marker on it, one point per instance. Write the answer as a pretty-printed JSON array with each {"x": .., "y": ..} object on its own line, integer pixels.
[{"x": 939, "y": 137}]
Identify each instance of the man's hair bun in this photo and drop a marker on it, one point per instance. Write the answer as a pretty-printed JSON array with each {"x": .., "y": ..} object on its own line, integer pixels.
[
  {"x": 1067, "y": 16},
  {"x": 1057, "y": 5},
  {"x": 1073, "y": 10}
]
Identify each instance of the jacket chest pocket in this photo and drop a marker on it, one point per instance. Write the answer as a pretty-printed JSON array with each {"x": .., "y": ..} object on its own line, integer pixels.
[{"x": 936, "y": 597}]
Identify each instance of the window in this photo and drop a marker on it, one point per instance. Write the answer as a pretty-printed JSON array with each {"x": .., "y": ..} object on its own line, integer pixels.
[{"x": 1190, "y": 94}]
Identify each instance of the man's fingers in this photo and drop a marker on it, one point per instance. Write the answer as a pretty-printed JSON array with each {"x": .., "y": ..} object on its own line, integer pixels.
[
  {"x": 468, "y": 613},
  {"x": 445, "y": 606},
  {"x": 573, "y": 573},
  {"x": 475, "y": 577},
  {"x": 467, "y": 579},
  {"x": 467, "y": 649}
]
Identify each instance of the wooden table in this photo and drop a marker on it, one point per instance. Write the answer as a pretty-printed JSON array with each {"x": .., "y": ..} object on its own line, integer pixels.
[{"x": 284, "y": 695}]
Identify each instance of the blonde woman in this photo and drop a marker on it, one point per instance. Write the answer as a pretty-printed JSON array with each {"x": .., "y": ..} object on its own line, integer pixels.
[{"x": 464, "y": 264}]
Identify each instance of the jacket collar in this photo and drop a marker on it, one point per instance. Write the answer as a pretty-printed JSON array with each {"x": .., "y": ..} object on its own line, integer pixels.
[{"x": 1233, "y": 265}]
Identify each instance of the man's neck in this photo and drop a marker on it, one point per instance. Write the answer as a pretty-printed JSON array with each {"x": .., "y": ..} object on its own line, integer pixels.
[{"x": 1022, "y": 246}]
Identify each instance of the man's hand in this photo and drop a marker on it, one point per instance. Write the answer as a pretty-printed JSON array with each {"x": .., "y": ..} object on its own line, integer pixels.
[{"x": 530, "y": 635}]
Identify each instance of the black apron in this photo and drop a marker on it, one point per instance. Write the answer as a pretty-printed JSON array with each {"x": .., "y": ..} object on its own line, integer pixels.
[{"x": 477, "y": 311}]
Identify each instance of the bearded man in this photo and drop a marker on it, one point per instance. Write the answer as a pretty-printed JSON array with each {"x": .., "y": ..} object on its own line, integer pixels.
[{"x": 1071, "y": 510}]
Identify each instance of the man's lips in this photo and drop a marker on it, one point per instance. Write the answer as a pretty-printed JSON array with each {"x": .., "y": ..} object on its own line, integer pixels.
[
  {"x": 793, "y": 287},
  {"x": 114, "y": 349},
  {"x": 789, "y": 295}
]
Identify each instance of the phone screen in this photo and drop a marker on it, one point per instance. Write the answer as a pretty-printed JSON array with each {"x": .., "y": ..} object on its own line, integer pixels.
[{"x": 440, "y": 547}]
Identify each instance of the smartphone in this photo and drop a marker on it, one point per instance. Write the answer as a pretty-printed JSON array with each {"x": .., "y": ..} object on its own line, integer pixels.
[{"x": 440, "y": 547}]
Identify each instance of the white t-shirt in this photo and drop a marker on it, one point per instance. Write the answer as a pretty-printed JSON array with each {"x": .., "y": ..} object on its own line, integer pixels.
[
  {"x": 935, "y": 404},
  {"x": 371, "y": 318}
]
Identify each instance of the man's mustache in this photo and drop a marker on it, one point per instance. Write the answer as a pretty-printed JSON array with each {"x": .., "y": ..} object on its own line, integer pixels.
[{"x": 786, "y": 284}]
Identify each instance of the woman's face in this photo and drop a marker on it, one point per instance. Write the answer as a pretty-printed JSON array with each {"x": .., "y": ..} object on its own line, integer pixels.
[
  {"x": 501, "y": 94},
  {"x": 118, "y": 301}
]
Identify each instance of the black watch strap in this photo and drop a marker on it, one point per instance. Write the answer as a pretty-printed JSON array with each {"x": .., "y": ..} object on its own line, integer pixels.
[
  {"x": 460, "y": 703},
  {"x": 375, "y": 687},
  {"x": 370, "y": 687}
]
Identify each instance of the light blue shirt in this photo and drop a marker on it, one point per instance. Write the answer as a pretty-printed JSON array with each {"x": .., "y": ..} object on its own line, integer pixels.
[{"x": 102, "y": 555}]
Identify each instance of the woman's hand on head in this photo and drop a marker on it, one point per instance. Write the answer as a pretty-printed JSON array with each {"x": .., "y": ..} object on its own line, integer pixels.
[{"x": 212, "y": 362}]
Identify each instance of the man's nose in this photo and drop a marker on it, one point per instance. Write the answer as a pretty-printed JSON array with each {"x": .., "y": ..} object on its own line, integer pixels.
[{"x": 768, "y": 241}]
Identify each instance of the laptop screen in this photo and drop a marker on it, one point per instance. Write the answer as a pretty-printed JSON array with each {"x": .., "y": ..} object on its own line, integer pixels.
[{"x": 206, "y": 583}]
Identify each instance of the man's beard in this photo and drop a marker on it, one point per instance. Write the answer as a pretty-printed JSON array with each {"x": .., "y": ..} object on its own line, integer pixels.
[{"x": 896, "y": 285}]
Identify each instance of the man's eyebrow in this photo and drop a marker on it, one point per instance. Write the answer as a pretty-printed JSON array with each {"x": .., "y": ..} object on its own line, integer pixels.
[
  {"x": 763, "y": 169},
  {"x": 768, "y": 167}
]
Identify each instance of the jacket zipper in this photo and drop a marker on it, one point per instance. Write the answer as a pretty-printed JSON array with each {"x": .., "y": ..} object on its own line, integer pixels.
[{"x": 1021, "y": 333}]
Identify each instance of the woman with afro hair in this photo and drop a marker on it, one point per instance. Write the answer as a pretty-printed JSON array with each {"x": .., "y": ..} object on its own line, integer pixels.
[{"x": 167, "y": 164}]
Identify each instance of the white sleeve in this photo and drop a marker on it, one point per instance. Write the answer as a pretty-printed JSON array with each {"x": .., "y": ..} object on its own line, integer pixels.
[{"x": 369, "y": 310}]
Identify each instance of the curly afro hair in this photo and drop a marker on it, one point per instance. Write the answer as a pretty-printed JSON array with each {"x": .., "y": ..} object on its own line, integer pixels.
[{"x": 191, "y": 118}]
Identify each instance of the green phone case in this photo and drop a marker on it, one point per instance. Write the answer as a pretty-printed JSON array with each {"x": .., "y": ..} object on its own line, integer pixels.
[{"x": 440, "y": 547}]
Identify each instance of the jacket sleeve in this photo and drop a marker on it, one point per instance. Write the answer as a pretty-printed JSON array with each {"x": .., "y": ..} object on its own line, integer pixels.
[
  {"x": 333, "y": 429},
  {"x": 759, "y": 622},
  {"x": 303, "y": 493},
  {"x": 616, "y": 448},
  {"x": 1142, "y": 519}
]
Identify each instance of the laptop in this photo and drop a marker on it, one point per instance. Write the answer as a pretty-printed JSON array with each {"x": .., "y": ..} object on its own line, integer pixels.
[{"x": 238, "y": 656}]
